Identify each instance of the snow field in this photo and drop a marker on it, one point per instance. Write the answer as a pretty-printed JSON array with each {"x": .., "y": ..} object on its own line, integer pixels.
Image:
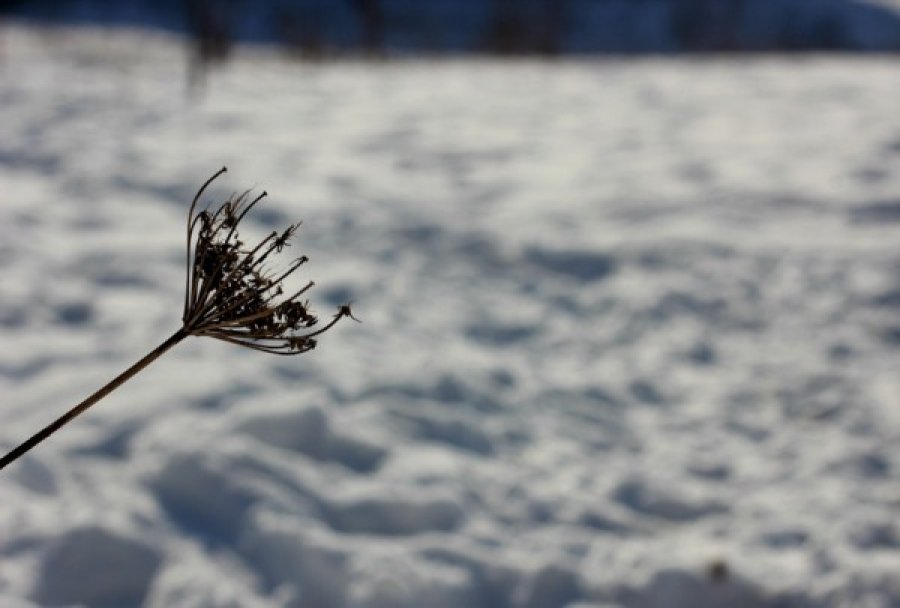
[{"x": 630, "y": 333}]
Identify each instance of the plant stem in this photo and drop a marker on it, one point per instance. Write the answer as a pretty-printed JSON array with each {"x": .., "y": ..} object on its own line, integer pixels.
[{"x": 102, "y": 392}]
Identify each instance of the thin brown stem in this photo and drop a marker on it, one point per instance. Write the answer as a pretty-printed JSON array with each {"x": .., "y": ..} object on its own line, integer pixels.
[
  {"x": 190, "y": 229},
  {"x": 275, "y": 350},
  {"x": 112, "y": 385},
  {"x": 344, "y": 312}
]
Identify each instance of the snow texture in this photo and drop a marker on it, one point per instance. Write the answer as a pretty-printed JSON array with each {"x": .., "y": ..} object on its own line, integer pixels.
[{"x": 631, "y": 333}]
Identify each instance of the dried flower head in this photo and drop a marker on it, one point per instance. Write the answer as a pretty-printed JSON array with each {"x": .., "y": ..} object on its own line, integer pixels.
[{"x": 232, "y": 292}]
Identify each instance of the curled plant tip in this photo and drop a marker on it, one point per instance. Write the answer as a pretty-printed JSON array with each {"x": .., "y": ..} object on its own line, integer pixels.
[
  {"x": 344, "y": 311},
  {"x": 231, "y": 293}
]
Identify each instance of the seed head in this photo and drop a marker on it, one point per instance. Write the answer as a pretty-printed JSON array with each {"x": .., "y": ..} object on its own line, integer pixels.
[{"x": 231, "y": 291}]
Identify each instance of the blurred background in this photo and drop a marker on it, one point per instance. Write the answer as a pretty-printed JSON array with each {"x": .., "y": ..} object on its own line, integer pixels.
[
  {"x": 629, "y": 278},
  {"x": 533, "y": 27}
]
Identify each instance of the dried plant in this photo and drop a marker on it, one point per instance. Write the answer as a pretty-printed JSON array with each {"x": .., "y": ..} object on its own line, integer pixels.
[{"x": 232, "y": 293}]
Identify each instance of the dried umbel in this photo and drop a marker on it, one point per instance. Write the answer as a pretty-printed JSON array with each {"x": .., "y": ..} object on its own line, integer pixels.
[{"x": 233, "y": 292}]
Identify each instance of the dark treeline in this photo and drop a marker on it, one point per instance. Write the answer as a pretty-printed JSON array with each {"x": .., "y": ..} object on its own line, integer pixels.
[{"x": 541, "y": 27}]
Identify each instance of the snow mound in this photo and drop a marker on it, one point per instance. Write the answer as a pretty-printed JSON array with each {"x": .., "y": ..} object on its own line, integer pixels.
[{"x": 96, "y": 567}]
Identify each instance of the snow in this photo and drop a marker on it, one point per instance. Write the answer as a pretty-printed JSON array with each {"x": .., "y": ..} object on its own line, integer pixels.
[{"x": 630, "y": 332}]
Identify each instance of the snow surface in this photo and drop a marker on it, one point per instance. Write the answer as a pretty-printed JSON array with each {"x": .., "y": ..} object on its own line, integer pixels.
[{"x": 631, "y": 333}]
